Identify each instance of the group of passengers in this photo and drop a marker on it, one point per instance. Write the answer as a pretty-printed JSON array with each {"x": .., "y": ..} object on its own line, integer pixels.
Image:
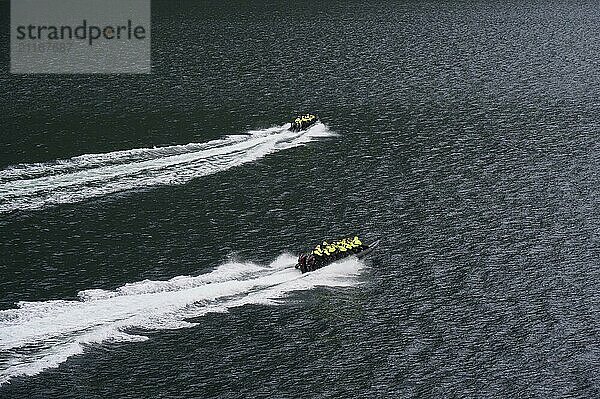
[
  {"x": 339, "y": 247},
  {"x": 303, "y": 121},
  {"x": 327, "y": 252}
]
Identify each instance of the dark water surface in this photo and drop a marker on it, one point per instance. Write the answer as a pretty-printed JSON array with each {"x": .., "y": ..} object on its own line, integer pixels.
[{"x": 464, "y": 133}]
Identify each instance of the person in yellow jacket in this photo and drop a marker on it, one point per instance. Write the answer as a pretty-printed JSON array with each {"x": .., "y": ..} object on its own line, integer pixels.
[
  {"x": 318, "y": 251},
  {"x": 325, "y": 248},
  {"x": 331, "y": 248}
]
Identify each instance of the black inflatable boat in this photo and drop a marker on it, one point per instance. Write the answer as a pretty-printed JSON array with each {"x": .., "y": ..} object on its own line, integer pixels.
[
  {"x": 311, "y": 261},
  {"x": 303, "y": 122}
]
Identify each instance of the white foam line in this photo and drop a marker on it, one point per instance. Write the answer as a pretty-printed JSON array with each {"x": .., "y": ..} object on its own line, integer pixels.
[
  {"x": 34, "y": 186},
  {"x": 41, "y": 335},
  {"x": 22, "y": 171}
]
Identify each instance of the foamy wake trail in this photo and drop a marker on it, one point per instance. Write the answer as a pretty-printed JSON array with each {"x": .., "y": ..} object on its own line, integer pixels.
[
  {"x": 41, "y": 335},
  {"x": 34, "y": 186}
]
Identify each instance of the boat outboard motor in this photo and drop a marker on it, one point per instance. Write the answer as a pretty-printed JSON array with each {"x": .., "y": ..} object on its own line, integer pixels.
[
  {"x": 311, "y": 263},
  {"x": 301, "y": 262}
]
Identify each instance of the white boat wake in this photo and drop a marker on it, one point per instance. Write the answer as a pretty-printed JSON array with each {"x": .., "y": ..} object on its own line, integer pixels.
[
  {"x": 35, "y": 186},
  {"x": 41, "y": 335}
]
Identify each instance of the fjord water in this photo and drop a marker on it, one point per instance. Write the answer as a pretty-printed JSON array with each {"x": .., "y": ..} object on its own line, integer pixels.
[{"x": 149, "y": 223}]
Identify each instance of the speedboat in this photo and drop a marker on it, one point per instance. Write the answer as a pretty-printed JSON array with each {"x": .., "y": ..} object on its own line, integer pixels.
[
  {"x": 303, "y": 122},
  {"x": 331, "y": 251}
]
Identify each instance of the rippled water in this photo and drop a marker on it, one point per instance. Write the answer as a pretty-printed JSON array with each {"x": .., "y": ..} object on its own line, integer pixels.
[{"x": 149, "y": 223}]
